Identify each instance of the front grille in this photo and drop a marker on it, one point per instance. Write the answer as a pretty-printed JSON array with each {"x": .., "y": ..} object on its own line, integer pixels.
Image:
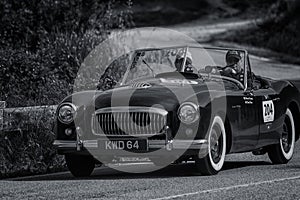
[{"x": 132, "y": 121}]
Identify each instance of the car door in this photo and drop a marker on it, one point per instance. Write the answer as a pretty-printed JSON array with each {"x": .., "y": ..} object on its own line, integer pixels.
[
  {"x": 243, "y": 117},
  {"x": 244, "y": 121},
  {"x": 267, "y": 105},
  {"x": 269, "y": 120}
]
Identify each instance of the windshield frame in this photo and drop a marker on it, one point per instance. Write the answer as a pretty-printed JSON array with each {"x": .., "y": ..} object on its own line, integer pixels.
[{"x": 246, "y": 56}]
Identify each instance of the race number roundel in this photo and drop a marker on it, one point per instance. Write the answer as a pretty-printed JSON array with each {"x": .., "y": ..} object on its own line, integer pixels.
[{"x": 268, "y": 111}]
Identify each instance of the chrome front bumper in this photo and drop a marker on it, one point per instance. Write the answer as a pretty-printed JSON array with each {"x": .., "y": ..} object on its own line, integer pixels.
[
  {"x": 152, "y": 144},
  {"x": 169, "y": 143}
]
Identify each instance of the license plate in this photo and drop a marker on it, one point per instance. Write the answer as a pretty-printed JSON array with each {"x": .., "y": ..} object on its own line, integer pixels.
[{"x": 129, "y": 145}]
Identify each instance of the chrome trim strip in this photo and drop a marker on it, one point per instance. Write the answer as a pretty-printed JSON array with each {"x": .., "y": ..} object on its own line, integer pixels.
[
  {"x": 132, "y": 109},
  {"x": 133, "y": 135},
  {"x": 90, "y": 143},
  {"x": 154, "y": 144},
  {"x": 64, "y": 144},
  {"x": 189, "y": 144},
  {"x": 179, "y": 144}
]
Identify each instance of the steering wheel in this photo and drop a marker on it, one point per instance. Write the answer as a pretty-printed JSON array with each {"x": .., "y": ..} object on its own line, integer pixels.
[
  {"x": 212, "y": 69},
  {"x": 229, "y": 69}
]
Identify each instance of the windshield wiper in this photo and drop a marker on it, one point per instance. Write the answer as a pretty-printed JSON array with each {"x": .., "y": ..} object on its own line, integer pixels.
[{"x": 149, "y": 67}]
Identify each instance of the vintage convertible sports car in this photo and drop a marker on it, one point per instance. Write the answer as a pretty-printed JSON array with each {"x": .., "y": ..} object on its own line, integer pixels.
[{"x": 176, "y": 104}]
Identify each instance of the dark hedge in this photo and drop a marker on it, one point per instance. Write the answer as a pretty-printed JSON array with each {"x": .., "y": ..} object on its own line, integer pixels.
[{"x": 43, "y": 43}]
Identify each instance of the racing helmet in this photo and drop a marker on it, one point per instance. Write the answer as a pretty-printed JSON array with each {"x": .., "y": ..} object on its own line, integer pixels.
[{"x": 233, "y": 55}]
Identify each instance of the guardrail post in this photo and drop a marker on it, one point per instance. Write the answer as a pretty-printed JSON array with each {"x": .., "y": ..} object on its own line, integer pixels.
[{"x": 2, "y": 106}]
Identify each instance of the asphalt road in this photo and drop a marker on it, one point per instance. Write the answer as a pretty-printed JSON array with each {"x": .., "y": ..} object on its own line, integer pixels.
[{"x": 244, "y": 176}]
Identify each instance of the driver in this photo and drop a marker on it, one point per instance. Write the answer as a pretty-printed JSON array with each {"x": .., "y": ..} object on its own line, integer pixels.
[
  {"x": 188, "y": 63},
  {"x": 233, "y": 68}
]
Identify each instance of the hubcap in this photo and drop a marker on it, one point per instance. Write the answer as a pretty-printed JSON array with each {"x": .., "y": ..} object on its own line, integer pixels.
[
  {"x": 286, "y": 135},
  {"x": 216, "y": 144}
]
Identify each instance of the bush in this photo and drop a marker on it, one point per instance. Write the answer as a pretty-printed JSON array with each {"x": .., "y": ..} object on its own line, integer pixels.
[
  {"x": 26, "y": 23},
  {"x": 28, "y": 148},
  {"x": 43, "y": 43}
]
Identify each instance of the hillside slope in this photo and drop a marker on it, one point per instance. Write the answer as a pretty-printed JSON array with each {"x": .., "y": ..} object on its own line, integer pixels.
[{"x": 280, "y": 32}]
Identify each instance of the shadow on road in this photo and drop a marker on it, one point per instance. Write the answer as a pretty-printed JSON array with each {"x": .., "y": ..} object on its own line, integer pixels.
[
  {"x": 232, "y": 164},
  {"x": 105, "y": 173}
]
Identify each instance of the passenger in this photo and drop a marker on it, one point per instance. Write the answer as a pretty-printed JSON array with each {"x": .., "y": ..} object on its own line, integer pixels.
[{"x": 188, "y": 63}]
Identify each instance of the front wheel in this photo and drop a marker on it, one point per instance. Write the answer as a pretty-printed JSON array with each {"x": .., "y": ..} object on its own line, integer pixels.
[
  {"x": 282, "y": 152},
  {"x": 213, "y": 162},
  {"x": 80, "y": 166}
]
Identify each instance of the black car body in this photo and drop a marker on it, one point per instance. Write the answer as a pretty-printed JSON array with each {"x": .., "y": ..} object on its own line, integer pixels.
[{"x": 172, "y": 115}]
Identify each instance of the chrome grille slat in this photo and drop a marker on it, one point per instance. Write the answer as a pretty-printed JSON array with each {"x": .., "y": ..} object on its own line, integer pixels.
[
  {"x": 118, "y": 121},
  {"x": 152, "y": 121},
  {"x": 130, "y": 121},
  {"x": 139, "y": 122},
  {"x": 114, "y": 130},
  {"x": 159, "y": 123},
  {"x": 143, "y": 119},
  {"x": 97, "y": 119},
  {"x": 146, "y": 124},
  {"x": 100, "y": 118},
  {"x": 109, "y": 123},
  {"x": 123, "y": 122},
  {"x": 104, "y": 123}
]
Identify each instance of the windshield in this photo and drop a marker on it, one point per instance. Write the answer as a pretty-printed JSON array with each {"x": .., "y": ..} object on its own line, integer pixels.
[{"x": 151, "y": 62}]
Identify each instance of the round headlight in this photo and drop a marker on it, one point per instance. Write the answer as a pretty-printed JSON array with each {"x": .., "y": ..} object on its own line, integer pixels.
[
  {"x": 188, "y": 113},
  {"x": 66, "y": 113}
]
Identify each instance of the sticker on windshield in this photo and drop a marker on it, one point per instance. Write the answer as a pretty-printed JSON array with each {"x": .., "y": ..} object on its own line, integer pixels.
[
  {"x": 172, "y": 52},
  {"x": 268, "y": 111}
]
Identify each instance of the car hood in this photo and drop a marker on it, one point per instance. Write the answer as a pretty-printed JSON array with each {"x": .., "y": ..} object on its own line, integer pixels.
[{"x": 159, "y": 92}]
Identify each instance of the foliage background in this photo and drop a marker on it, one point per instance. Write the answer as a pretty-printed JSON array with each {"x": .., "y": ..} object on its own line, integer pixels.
[
  {"x": 280, "y": 32},
  {"x": 42, "y": 44}
]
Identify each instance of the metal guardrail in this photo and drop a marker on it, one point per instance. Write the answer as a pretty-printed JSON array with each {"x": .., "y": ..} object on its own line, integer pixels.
[{"x": 21, "y": 118}]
